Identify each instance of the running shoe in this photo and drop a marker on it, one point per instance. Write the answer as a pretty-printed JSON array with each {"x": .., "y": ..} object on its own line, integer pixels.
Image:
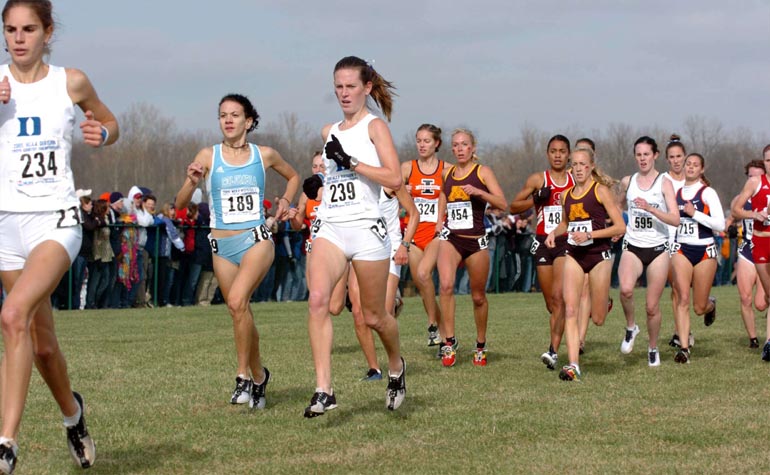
[
  {"x": 433, "y": 337},
  {"x": 674, "y": 342},
  {"x": 8, "y": 452},
  {"x": 653, "y": 357},
  {"x": 753, "y": 343},
  {"x": 242, "y": 391},
  {"x": 396, "y": 392},
  {"x": 257, "y": 398},
  {"x": 80, "y": 443},
  {"x": 480, "y": 357},
  {"x": 320, "y": 403},
  {"x": 550, "y": 359},
  {"x": 372, "y": 375},
  {"x": 766, "y": 351},
  {"x": 709, "y": 317},
  {"x": 448, "y": 353},
  {"x": 627, "y": 345},
  {"x": 682, "y": 356},
  {"x": 570, "y": 373},
  {"x": 399, "y": 306}
]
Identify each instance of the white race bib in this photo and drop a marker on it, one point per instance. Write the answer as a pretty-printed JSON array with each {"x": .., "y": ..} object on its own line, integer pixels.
[
  {"x": 687, "y": 230},
  {"x": 641, "y": 221},
  {"x": 37, "y": 165},
  {"x": 240, "y": 204},
  {"x": 579, "y": 227},
  {"x": 459, "y": 215},
  {"x": 344, "y": 191},
  {"x": 551, "y": 217},
  {"x": 428, "y": 209}
]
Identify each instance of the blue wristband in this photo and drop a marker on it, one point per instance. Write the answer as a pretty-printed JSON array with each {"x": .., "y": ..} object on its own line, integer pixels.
[{"x": 105, "y": 135}]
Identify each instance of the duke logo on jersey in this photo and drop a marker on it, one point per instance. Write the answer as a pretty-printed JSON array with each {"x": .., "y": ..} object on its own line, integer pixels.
[{"x": 25, "y": 122}]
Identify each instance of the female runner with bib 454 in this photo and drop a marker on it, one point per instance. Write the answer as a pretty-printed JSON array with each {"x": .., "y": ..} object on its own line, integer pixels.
[
  {"x": 360, "y": 159},
  {"x": 586, "y": 209},
  {"x": 40, "y": 230}
]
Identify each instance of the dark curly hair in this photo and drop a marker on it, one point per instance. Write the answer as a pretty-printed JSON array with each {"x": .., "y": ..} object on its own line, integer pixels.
[{"x": 248, "y": 108}]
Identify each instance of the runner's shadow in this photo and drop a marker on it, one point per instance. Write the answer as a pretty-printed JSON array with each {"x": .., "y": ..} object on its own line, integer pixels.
[{"x": 145, "y": 459}]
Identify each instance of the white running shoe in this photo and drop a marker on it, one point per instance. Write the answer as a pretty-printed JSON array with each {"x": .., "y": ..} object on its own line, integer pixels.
[
  {"x": 653, "y": 357},
  {"x": 627, "y": 345}
]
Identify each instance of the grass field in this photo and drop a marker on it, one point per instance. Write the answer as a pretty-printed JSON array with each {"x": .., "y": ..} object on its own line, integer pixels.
[{"x": 157, "y": 384}]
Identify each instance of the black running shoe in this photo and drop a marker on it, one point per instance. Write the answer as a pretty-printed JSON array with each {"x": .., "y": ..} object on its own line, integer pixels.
[
  {"x": 396, "y": 389},
  {"x": 80, "y": 443},
  {"x": 257, "y": 399},
  {"x": 709, "y": 317},
  {"x": 242, "y": 391},
  {"x": 682, "y": 356},
  {"x": 8, "y": 453},
  {"x": 674, "y": 341},
  {"x": 766, "y": 351},
  {"x": 372, "y": 375},
  {"x": 320, "y": 403},
  {"x": 753, "y": 343}
]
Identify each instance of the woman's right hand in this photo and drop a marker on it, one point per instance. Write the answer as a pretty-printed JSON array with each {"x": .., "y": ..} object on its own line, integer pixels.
[
  {"x": 550, "y": 241},
  {"x": 195, "y": 172}
]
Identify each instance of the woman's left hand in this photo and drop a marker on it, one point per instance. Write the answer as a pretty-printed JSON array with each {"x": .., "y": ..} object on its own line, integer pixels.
[
  {"x": 471, "y": 190},
  {"x": 92, "y": 130},
  {"x": 402, "y": 256},
  {"x": 689, "y": 209}
]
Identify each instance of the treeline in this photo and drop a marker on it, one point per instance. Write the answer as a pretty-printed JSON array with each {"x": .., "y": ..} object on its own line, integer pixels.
[{"x": 153, "y": 152}]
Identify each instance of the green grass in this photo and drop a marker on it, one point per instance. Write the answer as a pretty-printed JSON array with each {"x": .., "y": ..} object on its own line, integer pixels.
[{"x": 157, "y": 384}]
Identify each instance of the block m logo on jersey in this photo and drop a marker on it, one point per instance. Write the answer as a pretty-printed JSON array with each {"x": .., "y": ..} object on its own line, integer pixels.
[{"x": 25, "y": 123}]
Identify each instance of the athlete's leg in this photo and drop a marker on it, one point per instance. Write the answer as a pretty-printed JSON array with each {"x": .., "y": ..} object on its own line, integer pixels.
[
  {"x": 657, "y": 273},
  {"x": 325, "y": 267},
  {"x": 373, "y": 307},
  {"x": 683, "y": 277},
  {"x": 448, "y": 261},
  {"x": 572, "y": 288},
  {"x": 363, "y": 332},
  {"x": 746, "y": 275},
  {"x": 629, "y": 270},
  {"x": 42, "y": 272},
  {"x": 599, "y": 280},
  {"x": 478, "y": 267},
  {"x": 701, "y": 285},
  {"x": 421, "y": 264}
]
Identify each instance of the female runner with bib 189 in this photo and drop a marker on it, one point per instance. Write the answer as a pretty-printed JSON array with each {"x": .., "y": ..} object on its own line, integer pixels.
[
  {"x": 240, "y": 240},
  {"x": 40, "y": 231}
]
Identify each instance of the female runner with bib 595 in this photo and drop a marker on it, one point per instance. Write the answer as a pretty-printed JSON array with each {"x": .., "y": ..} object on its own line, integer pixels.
[
  {"x": 40, "y": 230},
  {"x": 240, "y": 240},
  {"x": 360, "y": 159}
]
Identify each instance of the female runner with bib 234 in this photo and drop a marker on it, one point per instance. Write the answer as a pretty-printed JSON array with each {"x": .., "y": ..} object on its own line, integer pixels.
[{"x": 40, "y": 231}]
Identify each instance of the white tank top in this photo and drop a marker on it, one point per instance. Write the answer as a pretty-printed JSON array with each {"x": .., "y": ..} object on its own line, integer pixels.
[
  {"x": 36, "y": 129},
  {"x": 677, "y": 184},
  {"x": 389, "y": 207},
  {"x": 347, "y": 195},
  {"x": 644, "y": 229}
]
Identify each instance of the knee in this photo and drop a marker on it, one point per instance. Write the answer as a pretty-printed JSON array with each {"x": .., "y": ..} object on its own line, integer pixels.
[
  {"x": 374, "y": 321},
  {"x": 13, "y": 320},
  {"x": 652, "y": 309},
  {"x": 700, "y": 309},
  {"x": 237, "y": 305},
  {"x": 45, "y": 351},
  {"x": 318, "y": 302},
  {"x": 571, "y": 311},
  {"x": 746, "y": 301},
  {"x": 446, "y": 289},
  {"x": 555, "y": 303},
  {"x": 479, "y": 299},
  {"x": 626, "y": 293},
  {"x": 599, "y": 318}
]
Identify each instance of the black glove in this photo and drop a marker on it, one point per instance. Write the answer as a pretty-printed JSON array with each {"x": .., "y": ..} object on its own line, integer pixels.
[
  {"x": 311, "y": 185},
  {"x": 334, "y": 151},
  {"x": 541, "y": 196}
]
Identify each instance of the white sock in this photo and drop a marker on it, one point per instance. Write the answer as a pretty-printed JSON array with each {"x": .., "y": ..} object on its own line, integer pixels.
[
  {"x": 11, "y": 442},
  {"x": 72, "y": 420}
]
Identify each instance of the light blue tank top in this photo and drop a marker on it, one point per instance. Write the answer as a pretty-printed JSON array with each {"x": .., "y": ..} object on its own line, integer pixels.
[{"x": 235, "y": 192}]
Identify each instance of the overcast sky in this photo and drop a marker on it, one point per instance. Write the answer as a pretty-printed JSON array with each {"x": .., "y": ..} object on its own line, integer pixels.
[{"x": 490, "y": 65}]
